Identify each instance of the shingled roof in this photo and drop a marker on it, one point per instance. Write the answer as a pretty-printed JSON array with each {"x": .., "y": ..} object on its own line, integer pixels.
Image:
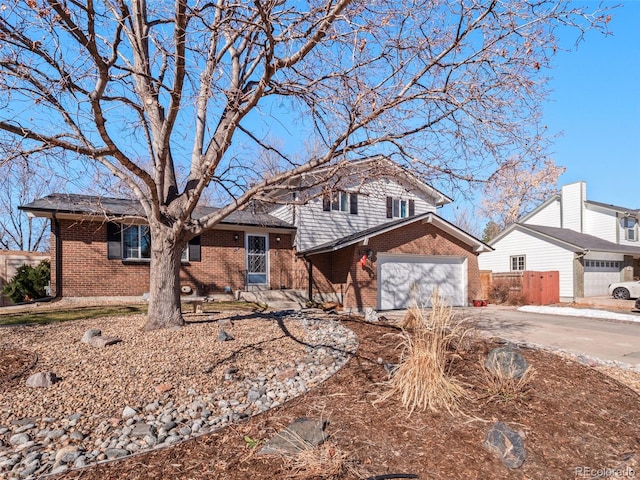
[
  {"x": 95, "y": 208},
  {"x": 580, "y": 241}
]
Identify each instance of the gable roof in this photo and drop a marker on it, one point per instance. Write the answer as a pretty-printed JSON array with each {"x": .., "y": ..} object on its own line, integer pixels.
[
  {"x": 429, "y": 217},
  {"x": 579, "y": 242},
  {"x": 625, "y": 210},
  {"x": 381, "y": 167},
  {"x": 105, "y": 208}
]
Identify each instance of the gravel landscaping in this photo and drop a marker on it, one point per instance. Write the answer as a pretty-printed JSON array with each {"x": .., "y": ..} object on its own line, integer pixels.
[{"x": 153, "y": 389}]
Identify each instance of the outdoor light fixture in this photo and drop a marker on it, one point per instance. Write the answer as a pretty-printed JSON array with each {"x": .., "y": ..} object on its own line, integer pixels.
[
  {"x": 235, "y": 237},
  {"x": 278, "y": 239}
]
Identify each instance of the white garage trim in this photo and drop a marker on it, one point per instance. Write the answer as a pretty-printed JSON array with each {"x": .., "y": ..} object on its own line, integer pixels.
[{"x": 403, "y": 278}]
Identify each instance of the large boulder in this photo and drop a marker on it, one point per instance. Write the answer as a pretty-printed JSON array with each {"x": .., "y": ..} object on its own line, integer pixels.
[
  {"x": 506, "y": 362},
  {"x": 42, "y": 380},
  {"x": 89, "y": 334},
  {"x": 506, "y": 444},
  {"x": 300, "y": 435}
]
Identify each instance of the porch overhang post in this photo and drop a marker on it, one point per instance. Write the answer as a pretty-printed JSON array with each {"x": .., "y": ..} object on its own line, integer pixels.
[
  {"x": 58, "y": 259},
  {"x": 310, "y": 279}
]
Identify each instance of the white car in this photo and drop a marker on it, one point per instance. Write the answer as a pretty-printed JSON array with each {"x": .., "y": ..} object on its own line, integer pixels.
[{"x": 625, "y": 290}]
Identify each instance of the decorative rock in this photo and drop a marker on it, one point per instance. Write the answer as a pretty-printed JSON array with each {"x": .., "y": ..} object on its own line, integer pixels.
[
  {"x": 507, "y": 362},
  {"x": 41, "y": 380},
  {"x": 224, "y": 336},
  {"x": 53, "y": 434},
  {"x": 142, "y": 429},
  {"x": 370, "y": 315},
  {"x": 163, "y": 388},
  {"x": 101, "y": 342},
  {"x": 128, "y": 412},
  {"x": 506, "y": 444},
  {"x": 89, "y": 334},
  {"x": 298, "y": 436},
  {"x": 112, "y": 453},
  {"x": 172, "y": 440},
  {"x": 25, "y": 428},
  {"x": 67, "y": 455},
  {"x": 176, "y": 419},
  {"x": 19, "y": 439},
  {"x": 169, "y": 426}
]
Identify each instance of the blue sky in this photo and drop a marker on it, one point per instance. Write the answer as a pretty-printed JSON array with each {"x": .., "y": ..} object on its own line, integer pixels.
[{"x": 595, "y": 102}]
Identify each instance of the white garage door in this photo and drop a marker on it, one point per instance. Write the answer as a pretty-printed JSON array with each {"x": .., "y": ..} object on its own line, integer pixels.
[
  {"x": 405, "y": 278},
  {"x": 598, "y": 274}
]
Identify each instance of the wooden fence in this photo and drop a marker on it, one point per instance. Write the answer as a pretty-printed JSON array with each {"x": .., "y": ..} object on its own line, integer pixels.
[{"x": 531, "y": 288}]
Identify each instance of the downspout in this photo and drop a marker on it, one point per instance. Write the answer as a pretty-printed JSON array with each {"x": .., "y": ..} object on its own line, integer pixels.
[{"x": 58, "y": 259}]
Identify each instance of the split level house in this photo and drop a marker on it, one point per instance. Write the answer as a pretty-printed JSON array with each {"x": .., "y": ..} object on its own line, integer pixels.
[
  {"x": 367, "y": 236},
  {"x": 591, "y": 244}
]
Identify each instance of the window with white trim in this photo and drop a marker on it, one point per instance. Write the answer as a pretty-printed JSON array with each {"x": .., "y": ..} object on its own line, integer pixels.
[
  {"x": 400, "y": 208},
  {"x": 630, "y": 229},
  {"x": 133, "y": 243},
  {"x": 518, "y": 263},
  {"x": 340, "y": 202},
  {"x": 136, "y": 242}
]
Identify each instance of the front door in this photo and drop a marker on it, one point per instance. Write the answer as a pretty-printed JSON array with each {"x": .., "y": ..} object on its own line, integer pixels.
[{"x": 257, "y": 260}]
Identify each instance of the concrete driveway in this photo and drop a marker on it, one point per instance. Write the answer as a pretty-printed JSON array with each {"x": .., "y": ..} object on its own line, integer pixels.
[{"x": 602, "y": 339}]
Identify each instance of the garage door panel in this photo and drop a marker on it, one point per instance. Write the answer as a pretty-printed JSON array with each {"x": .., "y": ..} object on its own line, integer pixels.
[
  {"x": 405, "y": 281},
  {"x": 598, "y": 274}
]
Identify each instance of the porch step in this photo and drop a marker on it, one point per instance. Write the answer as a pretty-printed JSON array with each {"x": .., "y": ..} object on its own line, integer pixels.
[{"x": 276, "y": 299}]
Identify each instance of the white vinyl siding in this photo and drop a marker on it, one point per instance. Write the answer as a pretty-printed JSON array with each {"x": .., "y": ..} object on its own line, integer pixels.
[
  {"x": 600, "y": 223},
  {"x": 518, "y": 263},
  {"x": 573, "y": 197},
  {"x": 628, "y": 231},
  {"x": 548, "y": 216},
  {"x": 316, "y": 226},
  {"x": 284, "y": 213},
  {"x": 542, "y": 256}
]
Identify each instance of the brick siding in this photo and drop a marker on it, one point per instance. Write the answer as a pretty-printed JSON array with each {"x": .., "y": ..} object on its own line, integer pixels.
[
  {"x": 86, "y": 270},
  {"x": 342, "y": 273}
]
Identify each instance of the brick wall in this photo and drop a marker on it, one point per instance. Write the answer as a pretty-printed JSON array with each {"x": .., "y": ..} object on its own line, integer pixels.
[
  {"x": 86, "y": 270},
  {"x": 359, "y": 284}
]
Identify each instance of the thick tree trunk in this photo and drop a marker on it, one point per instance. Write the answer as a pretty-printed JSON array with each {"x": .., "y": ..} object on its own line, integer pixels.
[{"x": 164, "y": 289}]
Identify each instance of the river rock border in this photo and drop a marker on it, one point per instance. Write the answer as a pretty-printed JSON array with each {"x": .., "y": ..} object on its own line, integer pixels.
[{"x": 28, "y": 449}]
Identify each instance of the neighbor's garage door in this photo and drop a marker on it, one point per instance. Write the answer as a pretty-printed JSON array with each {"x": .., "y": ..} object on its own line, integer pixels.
[
  {"x": 598, "y": 274},
  {"x": 403, "y": 278}
]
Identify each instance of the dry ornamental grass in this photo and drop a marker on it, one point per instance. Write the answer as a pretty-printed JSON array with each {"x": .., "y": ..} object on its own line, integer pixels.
[{"x": 422, "y": 379}]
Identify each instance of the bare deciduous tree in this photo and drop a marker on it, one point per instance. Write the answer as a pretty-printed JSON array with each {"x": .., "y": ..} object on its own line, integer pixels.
[
  {"x": 21, "y": 181},
  {"x": 445, "y": 87},
  {"x": 515, "y": 189}
]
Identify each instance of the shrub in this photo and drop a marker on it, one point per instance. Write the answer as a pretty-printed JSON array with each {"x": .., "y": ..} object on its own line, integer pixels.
[
  {"x": 422, "y": 379},
  {"x": 505, "y": 291},
  {"x": 504, "y": 386},
  {"x": 28, "y": 283}
]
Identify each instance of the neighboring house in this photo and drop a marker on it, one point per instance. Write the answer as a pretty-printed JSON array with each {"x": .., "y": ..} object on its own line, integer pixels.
[
  {"x": 591, "y": 244},
  {"x": 365, "y": 241}
]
